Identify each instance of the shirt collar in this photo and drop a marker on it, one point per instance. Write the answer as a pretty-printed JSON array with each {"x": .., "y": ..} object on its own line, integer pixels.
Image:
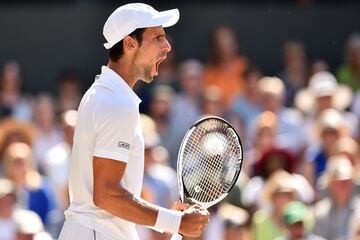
[{"x": 115, "y": 82}]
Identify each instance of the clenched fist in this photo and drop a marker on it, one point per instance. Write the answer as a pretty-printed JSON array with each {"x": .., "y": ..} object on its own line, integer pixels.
[{"x": 194, "y": 221}]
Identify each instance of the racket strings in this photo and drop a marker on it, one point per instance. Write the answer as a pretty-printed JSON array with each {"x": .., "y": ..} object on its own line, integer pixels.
[{"x": 210, "y": 161}]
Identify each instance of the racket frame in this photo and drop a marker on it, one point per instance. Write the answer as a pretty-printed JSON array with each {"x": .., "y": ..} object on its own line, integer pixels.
[{"x": 182, "y": 189}]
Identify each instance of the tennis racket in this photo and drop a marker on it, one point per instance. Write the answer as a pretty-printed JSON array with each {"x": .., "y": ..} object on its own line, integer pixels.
[{"x": 209, "y": 162}]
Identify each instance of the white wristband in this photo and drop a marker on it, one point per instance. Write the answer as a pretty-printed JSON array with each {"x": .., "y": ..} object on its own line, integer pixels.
[{"x": 168, "y": 220}]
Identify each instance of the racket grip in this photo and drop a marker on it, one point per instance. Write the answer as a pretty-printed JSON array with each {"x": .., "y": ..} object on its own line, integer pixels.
[{"x": 176, "y": 237}]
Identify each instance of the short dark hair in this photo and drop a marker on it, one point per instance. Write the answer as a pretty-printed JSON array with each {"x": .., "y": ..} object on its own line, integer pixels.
[{"x": 117, "y": 50}]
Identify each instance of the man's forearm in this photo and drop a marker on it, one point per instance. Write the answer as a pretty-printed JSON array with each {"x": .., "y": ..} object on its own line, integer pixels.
[{"x": 123, "y": 204}]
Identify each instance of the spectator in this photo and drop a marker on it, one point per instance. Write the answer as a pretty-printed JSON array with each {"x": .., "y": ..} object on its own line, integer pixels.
[
  {"x": 57, "y": 159},
  {"x": 264, "y": 140},
  {"x": 29, "y": 226},
  {"x": 295, "y": 72},
  {"x": 226, "y": 66},
  {"x": 319, "y": 65},
  {"x": 162, "y": 97},
  {"x": 69, "y": 91},
  {"x": 296, "y": 215},
  {"x": 330, "y": 128},
  {"x": 48, "y": 133},
  {"x": 211, "y": 103},
  {"x": 278, "y": 191},
  {"x": 157, "y": 190},
  {"x": 246, "y": 105},
  {"x": 154, "y": 189},
  {"x": 7, "y": 207},
  {"x": 191, "y": 76},
  {"x": 349, "y": 72},
  {"x": 12, "y": 102},
  {"x": 289, "y": 123},
  {"x": 235, "y": 222},
  {"x": 186, "y": 107},
  {"x": 333, "y": 214},
  {"x": 323, "y": 93},
  {"x": 34, "y": 192},
  {"x": 272, "y": 161},
  {"x": 13, "y": 130}
]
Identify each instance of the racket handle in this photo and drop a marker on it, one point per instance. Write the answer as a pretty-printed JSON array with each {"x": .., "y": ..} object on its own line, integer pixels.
[{"x": 176, "y": 237}]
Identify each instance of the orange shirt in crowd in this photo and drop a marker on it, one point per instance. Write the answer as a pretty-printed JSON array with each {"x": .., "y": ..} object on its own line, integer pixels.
[{"x": 228, "y": 77}]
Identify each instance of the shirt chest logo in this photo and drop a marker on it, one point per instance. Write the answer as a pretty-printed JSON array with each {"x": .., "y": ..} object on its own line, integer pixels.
[{"x": 123, "y": 145}]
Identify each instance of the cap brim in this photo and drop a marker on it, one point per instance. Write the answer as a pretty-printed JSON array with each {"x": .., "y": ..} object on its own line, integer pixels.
[
  {"x": 165, "y": 19},
  {"x": 107, "y": 45}
]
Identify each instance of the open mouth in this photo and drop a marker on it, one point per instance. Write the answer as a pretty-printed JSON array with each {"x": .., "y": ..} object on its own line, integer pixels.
[{"x": 157, "y": 64}]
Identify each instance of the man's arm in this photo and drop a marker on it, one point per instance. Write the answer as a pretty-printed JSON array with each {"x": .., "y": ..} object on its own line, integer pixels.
[{"x": 113, "y": 198}]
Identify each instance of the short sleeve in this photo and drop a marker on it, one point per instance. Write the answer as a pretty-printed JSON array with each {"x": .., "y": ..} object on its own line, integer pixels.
[{"x": 115, "y": 124}]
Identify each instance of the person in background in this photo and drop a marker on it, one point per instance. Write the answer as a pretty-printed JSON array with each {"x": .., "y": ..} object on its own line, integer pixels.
[
  {"x": 289, "y": 124},
  {"x": 350, "y": 148},
  {"x": 34, "y": 192},
  {"x": 154, "y": 190},
  {"x": 12, "y": 101},
  {"x": 69, "y": 91},
  {"x": 319, "y": 65},
  {"x": 160, "y": 106},
  {"x": 236, "y": 222},
  {"x": 47, "y": 131},
  {"x": 57, "y": 159},
  {"x": 13, "y": 130},
  {"x": 330, "y": 129},
  {"x": 267, "y": 222},
  {"x": 7, "y": 207},
  {"x": 333, "y": 214},
  {"x": 349, "y": 72},
  {"x": 264, "y": 139},
  {"x": 246, "y": 105},
  {"x": 225, "y": 67},
  {"x": 211, "y": 103},
  {"x": 295, "y": 72},
  {"x": 296, "y": 215},
  {"x": 322, "y": 93},
  {"x": 185, "y": 109},
  {"x": 29, "y": 226}
]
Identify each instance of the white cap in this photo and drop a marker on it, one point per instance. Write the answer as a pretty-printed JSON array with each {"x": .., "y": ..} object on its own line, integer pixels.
[
  {"x": 323, "y": 84},
  {"x": 127, "y": 18}
]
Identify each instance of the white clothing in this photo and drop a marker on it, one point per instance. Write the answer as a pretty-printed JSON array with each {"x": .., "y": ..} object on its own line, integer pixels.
[
  {"x": 108, "y": 126},
  {"x": 7, "y": 229},
  {"x": 43, "y": 142},
  {"x": 56, "y": 165},
  {"x": 74, "y": 230}
]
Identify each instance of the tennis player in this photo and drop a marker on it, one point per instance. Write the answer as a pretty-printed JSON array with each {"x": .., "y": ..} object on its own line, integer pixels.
[{"x": 107, "y": 160}]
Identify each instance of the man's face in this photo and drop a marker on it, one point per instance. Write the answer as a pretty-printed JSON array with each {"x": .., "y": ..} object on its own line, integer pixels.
[
  {"x": 150, "y": 53},
  {"x": 296, "y": 230}
]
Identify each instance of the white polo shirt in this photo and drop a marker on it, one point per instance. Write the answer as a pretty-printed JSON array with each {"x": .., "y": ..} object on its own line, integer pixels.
[{"x": 108, "y": 126}]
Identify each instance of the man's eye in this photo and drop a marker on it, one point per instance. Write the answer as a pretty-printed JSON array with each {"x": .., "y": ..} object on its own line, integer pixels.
[{"x": 159, "y": 38}]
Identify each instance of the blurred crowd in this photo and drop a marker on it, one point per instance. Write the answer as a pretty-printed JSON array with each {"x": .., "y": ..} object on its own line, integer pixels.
[{"x": 299, "y": 130}]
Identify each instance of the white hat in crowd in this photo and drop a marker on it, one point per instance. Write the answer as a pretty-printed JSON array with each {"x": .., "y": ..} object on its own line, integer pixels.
[
  {"x": 127, "y": 18},
  {"x": 323, "y": 84}
]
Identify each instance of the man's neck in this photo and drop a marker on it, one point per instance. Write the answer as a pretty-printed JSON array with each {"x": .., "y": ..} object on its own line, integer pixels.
[{"x": 124, "y": 69}]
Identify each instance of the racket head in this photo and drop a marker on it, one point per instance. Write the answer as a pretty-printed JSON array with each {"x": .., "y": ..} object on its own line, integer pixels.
[{"x": 211, "y": 147}]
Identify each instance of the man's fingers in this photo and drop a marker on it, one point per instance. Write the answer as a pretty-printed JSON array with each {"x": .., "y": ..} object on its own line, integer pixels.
[{"x": 180, "y": 206}]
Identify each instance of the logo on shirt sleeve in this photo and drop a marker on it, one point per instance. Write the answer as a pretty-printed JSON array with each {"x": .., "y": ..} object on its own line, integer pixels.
[{"x": 124, "y": 145}]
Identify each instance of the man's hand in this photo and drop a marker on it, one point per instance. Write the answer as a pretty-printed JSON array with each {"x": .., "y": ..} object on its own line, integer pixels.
[
  {"x": 179, "y": 206},
  {"x": 194, "y": 221}
]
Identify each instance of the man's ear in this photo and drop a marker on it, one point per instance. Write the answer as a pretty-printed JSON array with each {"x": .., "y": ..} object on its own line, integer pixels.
[{"x": 130, "y": 44}]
